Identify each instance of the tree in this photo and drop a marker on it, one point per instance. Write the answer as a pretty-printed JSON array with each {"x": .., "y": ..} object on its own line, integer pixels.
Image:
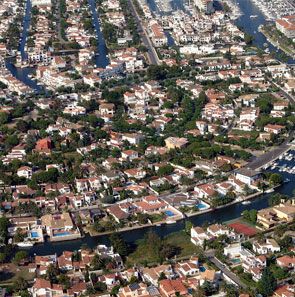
[
  {"x": 275, "y": 179},
  {"x": 188, "y": 226},
  {"x": 119, "y": 244},
  {"x": 65, "y": 281},
  {"x": 250, "y": 215},
  {"x": 2, "y": 257},
  {"x": 19, "y": 257},
  {"x": 165, "y": 170},
  {"x": 267, "y": 284},
  {"x": 4, "y": 224},
  {"x": 52, "y": 273},
  {"x": 20, "y": 284},
  {"x": 162, "y": 276},
  {"x": 19, "y": 236}
]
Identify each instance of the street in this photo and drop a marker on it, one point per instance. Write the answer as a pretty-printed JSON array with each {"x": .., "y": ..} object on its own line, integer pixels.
[
  {"x": 210, "y": 254},
  {"x": 276, "y": 152},
  {"x": 152, "y": 54}
]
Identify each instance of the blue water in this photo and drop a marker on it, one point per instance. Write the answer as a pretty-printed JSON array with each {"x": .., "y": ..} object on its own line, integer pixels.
[
  {"x": 26, "y": 26},
  {"x": 250, "y": 25},
  {"x": 22, "y": 73},
  {"x": 34, "y": 234},
  {"x": 202, "y": 268},
  {"x": 62, "y": 234},
  {"x": 169, "y": 213},
  {"x": 101, "y": 59},
  {"x": 236, "y": 260},
  {"x": 202, "y": 206}
]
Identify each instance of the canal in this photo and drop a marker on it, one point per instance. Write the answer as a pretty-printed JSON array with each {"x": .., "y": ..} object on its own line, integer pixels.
[
  {"x": 101, "y": 58},
  {"x": 221, "y": 215},
  {"x": 22, "y": 74},
  {"x": 251, "y": 26}
]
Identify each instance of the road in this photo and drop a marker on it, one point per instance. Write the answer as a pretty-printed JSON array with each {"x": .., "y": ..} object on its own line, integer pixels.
[
  {"x": 270, "y": 156},
  {"x": 152, "y": 54},
  {"x": 210, "y": 254},
  {"x": 276, "y": 152}
]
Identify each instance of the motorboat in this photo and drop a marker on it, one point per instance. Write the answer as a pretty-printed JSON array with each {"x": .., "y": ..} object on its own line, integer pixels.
[
  {"x": 246, "y": 202},
  {"x": 25, "y": 244}
]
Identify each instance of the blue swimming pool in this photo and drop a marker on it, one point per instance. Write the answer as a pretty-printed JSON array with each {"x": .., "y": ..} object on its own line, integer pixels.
[
  {"x": 62, "y": 234},
  {"x": 34, "y": 234},
  {"x": 169, "y": 213},
  {"x": 202, "y": 269},
  {"x": 202, "y": 206}
]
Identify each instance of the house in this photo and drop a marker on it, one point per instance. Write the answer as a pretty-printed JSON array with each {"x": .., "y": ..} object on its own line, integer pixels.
[
  {"x": 107, "y": 109},
  {"x": 129, "y": 155},
  {"x": 285, "y": 291},
  {"x": 152, "y": 274},
  {"x": 206, "y": 191},
  {"x": 187, "y": 268},
  {"x": 25, "y": 171},
  {"x": 172, "y": 288},
  {"x": 198, "y": 236},
  {"x": 175, "y": 142},
  {"x": 286, "y": 25},
  {"x": 60, "y": 226},
  {"x": 43, "y": 287},
  {"x": 133, "y": 138},
  {"x": 275, "y": 129},
  {"x": 286, "y": 262},
  {"x": 233, "y": 250},
  {"x": 136, "y": 173},
  {"x": 216, "y": 230},
  {"x": 209, "y": 275},
  {"x": 247, "y": 176},
  {"x": 265, "y": 247},
  {"x": 65, "y": 261},
  {"x": 44, "y": 145}
]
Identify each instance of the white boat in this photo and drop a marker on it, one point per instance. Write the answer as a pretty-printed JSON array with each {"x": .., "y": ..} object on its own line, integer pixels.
[
  {"x": 253, "y": 16},
  {"x": 25, "y": 244},
  {"x": 269, "y": 190},
  {"x": 246, "y": 202},
  {"x": 170, "y": 222}
]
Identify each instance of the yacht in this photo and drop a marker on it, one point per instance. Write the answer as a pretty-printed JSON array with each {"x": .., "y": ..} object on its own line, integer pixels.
[
  {"x": 269, "y": 190},
  {"x": 246, "y": 202},
  {"x": 253, "y": 16},
  {"x": 25, "y": 244}
]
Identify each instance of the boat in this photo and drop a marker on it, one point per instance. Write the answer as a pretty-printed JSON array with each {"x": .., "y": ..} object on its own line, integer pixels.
[
  {"x": 252, "y": 16},
  {"x": 170, "y": 222},
  {"x": 246, "y": 202},
  {"x": 270, "y": 190},
  {"x": 25, "y": 244}
]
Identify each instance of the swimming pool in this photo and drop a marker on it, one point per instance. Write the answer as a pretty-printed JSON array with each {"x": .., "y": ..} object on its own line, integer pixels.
[
  {"x": 202, "y": 269},
  {"x": 236, "y": 260},
  {"x": 202, "y": 206},
  {"x": 62, "y": 234},
  {"x": 169, "y": 213},
  {"x": 34, "y": 234}
]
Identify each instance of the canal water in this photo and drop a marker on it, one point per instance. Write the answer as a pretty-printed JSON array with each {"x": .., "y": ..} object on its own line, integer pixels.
[
  {"x": 221, "y": 215},
  {"x": 22, "y": 74},
  {"x": 101, "y": 58},
  {"x": 251, "y": 26}
]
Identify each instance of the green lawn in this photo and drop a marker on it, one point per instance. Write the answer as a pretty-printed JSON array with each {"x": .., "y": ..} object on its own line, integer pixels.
[
  {"x": 8, "y": 276},
  {"x": 145, "y": 254}
]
